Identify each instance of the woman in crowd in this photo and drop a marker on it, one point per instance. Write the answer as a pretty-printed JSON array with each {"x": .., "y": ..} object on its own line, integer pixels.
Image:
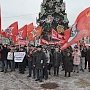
[
  {"x": 68, "y": 65},
  {"x": 76, "y": 59}
]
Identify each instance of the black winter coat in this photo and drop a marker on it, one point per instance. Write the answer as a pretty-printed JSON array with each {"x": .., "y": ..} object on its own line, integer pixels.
[
  {"x": 4, "y": 53},
  {"x": 68, "y": 64},
  {"x": 88, "y": 55},
  {"x": 39, "y": 59},
  {"x": 57, "y": 58}
]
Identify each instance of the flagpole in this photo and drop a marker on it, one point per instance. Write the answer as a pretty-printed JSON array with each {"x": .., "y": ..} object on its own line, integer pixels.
[
  {"x": 34, "y": 41},
  {"x": 27, "y": 43},
  {"x": 19, "y": 44}
]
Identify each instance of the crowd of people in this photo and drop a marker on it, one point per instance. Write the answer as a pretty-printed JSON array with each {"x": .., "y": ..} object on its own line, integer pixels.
[{"x": 41, "y": 61}]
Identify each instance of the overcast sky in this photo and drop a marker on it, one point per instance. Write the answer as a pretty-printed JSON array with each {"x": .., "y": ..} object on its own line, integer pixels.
[{"x": 26, "y": 11}]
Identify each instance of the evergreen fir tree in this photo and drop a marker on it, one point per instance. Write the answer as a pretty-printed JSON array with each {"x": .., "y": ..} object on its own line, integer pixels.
[{"x": 52, "y": 15}]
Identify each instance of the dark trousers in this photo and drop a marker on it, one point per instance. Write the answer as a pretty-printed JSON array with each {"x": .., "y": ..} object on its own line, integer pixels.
[
  {"x": 86, "y": 62},
  {"x": 63, "y": 64},
  {"x": 30, "y": 67},
  {"x": 4, "y": 65},
  {"x": 69, "y": 74},
  {"x": 45, "y": 73},
  {"x": 34, "y": 72},
  {"x": 21, "y": 68},
  {"x": 56, "y": 70},
  {"x": 12, "y": 65},
  {"x": 49, "y": 66},
  {"x": 16, "y": 64},
  {"x": 9, "y": 64},
  {"x": 89, "y": 65},
  {"x": 39, "y": 73}
]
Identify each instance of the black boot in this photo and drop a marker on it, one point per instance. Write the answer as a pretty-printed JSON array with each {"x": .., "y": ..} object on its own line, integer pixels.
[
  {"x": 65, "y": 74},
  {"x": 69, "y": 75}
]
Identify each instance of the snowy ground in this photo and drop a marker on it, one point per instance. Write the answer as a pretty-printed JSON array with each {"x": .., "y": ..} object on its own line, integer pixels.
[{"x": 16, "y": 81}]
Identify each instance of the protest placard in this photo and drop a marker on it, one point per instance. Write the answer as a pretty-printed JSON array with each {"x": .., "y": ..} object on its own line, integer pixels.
[{"x": 19, "y": 56}]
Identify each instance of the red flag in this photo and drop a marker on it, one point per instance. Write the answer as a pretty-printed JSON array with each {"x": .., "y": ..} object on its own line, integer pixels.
[
  {"x": 82, "y": 14},
  {"x": 67, "y": 34},
  {"x": 83, "y": 20},
  {"x": 13, "y": 29},
  {"x": 33, "y": 32},
  {"x": 14, "y": 39},
  {"x": 38, "y": 30},
  {"x": 43, "y": 41},
  {"x": 55, "y": 35},
  {"x": 83, "y": 27},
  {"x": 22, "y": 42},
  {"x": 60, "y": 36},
  {"x": 66, "y": 37},
  {"x": 79, "y": 36},
  {"x": 22, "y": 34},
  {"x": 30, "y": 29},
  {"x": 3, "y": 34},
  {"x": 31, "y": 37}
]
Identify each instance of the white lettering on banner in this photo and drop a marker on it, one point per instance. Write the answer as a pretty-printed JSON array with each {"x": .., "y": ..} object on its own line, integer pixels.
[{"x": 19, "y": 56}]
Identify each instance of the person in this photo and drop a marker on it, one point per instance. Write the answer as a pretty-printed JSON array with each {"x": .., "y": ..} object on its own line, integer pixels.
[
  {"x": 34, "y": 68},
  {"x": 16, "y": 50},
  {"x": 10, "y": 58},
  {"x": 76, "y": 59},
  {"x": 8, "y": 61},
  {"x": 4, "y": 53},
  {"x": 85, "y": 51},
  {"x": 68, "y": 65},
  {"x": 39, "y": 63},
  {"x": 21, "y": 65},
  {"x": 64, "y": 52},
  {"x": 88, "y": 58},
  {"x": 83, "y": 55},
  {"x": 57, "y": 58},
  {"x": 51, "y": 60},
  {"x": 30, "y": 60},
  {"x": 45, "y": 70}
]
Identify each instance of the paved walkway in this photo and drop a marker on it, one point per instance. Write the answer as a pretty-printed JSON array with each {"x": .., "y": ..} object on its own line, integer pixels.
[{"x": 15, "y": 81}]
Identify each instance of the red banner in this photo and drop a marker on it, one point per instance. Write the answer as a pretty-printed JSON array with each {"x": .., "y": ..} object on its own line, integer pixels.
[
  {"x": 22, "y": 42},
  {"x": 82, "y": 25}
]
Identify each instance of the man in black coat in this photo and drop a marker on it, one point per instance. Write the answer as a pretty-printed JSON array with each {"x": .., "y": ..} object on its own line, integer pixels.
[
  {"x": 4, "y": 53},
  {"x": 57, "y": 58},
  {"x": 30, "y": 61},
  {"x": 39, "y": 63}
]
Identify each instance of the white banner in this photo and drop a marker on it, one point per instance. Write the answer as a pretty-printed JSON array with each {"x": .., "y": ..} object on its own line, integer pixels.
[
  {"x": 19, "y": 56},
  {"x": 10, "y": 56}
]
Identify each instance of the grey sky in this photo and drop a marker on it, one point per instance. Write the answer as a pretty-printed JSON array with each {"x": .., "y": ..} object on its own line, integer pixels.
[{"x": 26, "y": 11}]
